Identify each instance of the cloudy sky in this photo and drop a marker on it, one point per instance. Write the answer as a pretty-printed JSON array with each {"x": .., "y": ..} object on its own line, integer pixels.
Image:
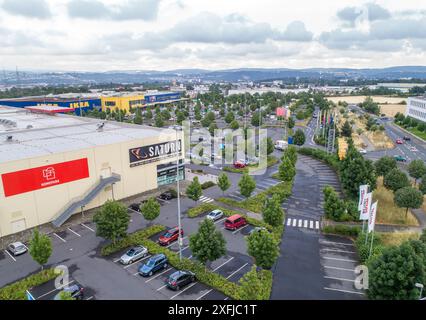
[{"x": 99, "y": 35}]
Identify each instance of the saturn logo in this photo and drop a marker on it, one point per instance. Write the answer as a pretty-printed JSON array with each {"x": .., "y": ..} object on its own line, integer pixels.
[{"x": 137, "y": 153}]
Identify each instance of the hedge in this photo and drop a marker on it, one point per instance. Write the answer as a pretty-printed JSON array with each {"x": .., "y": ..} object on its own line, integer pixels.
[
  {"x": 207, "y": 185},
  {"x": 343, "y": 230},
  {"x": 132, "y": 239},
  {"x": 17, "y": 290}
]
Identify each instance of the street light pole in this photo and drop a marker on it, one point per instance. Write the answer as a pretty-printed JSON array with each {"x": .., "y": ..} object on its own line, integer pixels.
[{"x": 178, "y": 197}]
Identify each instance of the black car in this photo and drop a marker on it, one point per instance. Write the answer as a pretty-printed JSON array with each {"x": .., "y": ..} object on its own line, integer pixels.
[
  {"x": 166, "y": 196},
  {"x": 76, "y": 291},
  {"x": 180, "y": 279},
  {"x": 406, "y": 138},
  {"x": 136, "y": 206}
]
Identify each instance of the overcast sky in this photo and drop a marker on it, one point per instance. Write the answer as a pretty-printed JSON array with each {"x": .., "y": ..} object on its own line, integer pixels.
[{"x": 100, "y": 35}]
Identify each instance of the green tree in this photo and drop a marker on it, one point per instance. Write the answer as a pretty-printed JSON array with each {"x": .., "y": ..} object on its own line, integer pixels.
[
  {"x": 159, "y": 122},
  {"x": 408, "y": 197},
  {"x": 263, "y": 248},
  {"x": 212, "y": 128},
  {"x": 291, "y": 123},
  {"x": 286, "y": 169},
  {"x": 194, "y": 190},
  {"x": 234, "y": 125},
  {"x": 396, "y": 179},
  {"x": 252, "y": 286},
  {"x": 40, "y": 248},
  {"x": 422, "y": 185},
  {"x": 291, "y": 153},
  {"x": 299, "y": 137},
  {"x": 247, "y": 185},
  {"x": 384, "y": 165},
  {"x": 180, "y": 116},
  {"x": 334, "y": 208},
  {"x": 208, "y": 244},
  {"x": 112, "y": 221},
  {"x": 229, "y": 117},
  {"x": 256, "y": 118},
  {"x": 272, "y": 212},
  {"x": 347, "y": 129},
  {"x": 138, "y": 117},
  {"x": 148, "y": 114},
  {"x": 416, "y": 169},
  {"x": 269, "y": 146},
  {"x": 223, "y": 182},
  {"x": 65, "y": 295},
  {"x": 394, "y": 273},
  {"x": 150, "y": 209}
]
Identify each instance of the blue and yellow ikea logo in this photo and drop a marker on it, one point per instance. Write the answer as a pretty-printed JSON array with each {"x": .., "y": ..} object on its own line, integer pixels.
[{"x": 80, "y": 104}]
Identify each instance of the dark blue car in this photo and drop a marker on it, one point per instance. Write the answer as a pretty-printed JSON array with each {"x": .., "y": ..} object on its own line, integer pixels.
[{"x": 155, "y": 263}]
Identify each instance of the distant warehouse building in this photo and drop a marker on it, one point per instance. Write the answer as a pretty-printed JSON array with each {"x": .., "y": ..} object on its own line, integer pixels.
[
  {"x": 79, "y": 104},
  {"x": 53, "y": 166},
  {"x": 416, "y": 108},
  {"x": 125, "y": 101}
]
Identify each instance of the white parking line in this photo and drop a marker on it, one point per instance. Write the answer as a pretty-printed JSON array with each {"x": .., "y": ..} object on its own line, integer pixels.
[
  {"x": 316, "y": 225},
  {"x": 87, "y": 227},
  {"x": 305, "y": 224},
  {"x": 204, "y": 294},
  {"x": 300, "y": 223},
  {"x": 129, "y": 265},
  {"x": 220, "y": 220},
  {"x": 337, "y": 268},
  {"x": 63, "y": 240},
  {"x": 63, "y": 286},
  {"x": 234, "y": 232},
  {"x": 236, "y": 271},
  {"x": 162, "y": 287},
  {"x": 339, "y": 259},
  {"x": 13, "y": 258},
  {"x": 156, "y": 276},
  {"x": 346, "y": 291},
  {"x": 289, "y": 221},
  {"x": 311, "y": 224},
  {"x": 190, "y": 286},
  {"x": 90, "y": 298},
  {"x": 332, "y": 242},
  {"x": 223, "y": 263},
  {"x": 338, "y": 250},
  {"x": 74, "y": 232},
  {"x": 340, "y": 279},
  {"x": 294, "y": 222}
]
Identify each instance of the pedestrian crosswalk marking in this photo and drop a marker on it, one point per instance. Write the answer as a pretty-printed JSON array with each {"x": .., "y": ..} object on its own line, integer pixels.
[
  {"x": 300, "y": 223},
  {"x": 303, "y": 223},
  {"x": 294, "y": 222},
  {"x": 206, "y": 199},
  {"x": 289, "y": 221},
  {"x": 311, "y": 224}
]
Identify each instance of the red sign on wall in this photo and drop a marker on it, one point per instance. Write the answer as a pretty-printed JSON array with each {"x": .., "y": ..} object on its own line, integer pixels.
[{"x": 43, "y": 177}]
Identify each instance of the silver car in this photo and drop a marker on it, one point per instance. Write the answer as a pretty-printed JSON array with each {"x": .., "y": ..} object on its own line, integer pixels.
[
  {"x": 133, "y": 254},
  {"x": 17, "y": 248},
  {"x": 215, "y": 215}
]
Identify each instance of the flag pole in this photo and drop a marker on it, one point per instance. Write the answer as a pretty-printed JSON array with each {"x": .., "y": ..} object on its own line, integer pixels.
[{"x": 371, "y": 244}]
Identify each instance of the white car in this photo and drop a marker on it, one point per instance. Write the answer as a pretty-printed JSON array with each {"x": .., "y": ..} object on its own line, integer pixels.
[
  {"x": 362, "y": 151},
  {"x": 413, "y": 149},
  {"x": 215, "y": 215},
  {"x": 17, "y": 248},
  {"x": 133, "y": 254}
]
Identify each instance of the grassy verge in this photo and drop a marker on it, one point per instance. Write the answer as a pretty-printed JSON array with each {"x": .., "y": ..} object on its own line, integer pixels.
[
  {"x": 17, "y": 290},
  {"x": 387, "y": 211},
  {"x": 347, "y": 231},
  {"x": 414, "y": 131}
]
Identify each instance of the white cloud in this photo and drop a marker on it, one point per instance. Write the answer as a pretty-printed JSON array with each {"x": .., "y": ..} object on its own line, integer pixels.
[{"x": 28, "y": 8}]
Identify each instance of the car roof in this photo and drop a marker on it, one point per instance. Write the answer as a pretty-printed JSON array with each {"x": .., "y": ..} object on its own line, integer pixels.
[
  {"x": 72, "y": 288},
  {"x": 234, "y": 217},
  {"x": 216, "y": 211},
  {"x": 16, "y": 244},
  {"x": 158, "y": 256}
]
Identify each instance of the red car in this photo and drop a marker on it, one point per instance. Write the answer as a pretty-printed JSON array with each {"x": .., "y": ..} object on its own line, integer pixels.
[
  {"x": 234, "y": 222},
  {"x": 170, "y": 236},
  {"x": 399, "y": 141},
  {"x": 238, "y": 164}
]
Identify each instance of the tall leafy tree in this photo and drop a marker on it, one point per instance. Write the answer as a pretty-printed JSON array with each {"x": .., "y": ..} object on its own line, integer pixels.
[
  {"x": 395, "y": 179},
  {"x": 234, "y": 125},
  {"x": 138, "y": 116},
  {"x": 247, "y": 185},
  {"x": 252, "y": 285},
  {"x": 150, "y": 209},
  {"x": 408, "y": 198},
  {"x": 347, "y": 129},
  {"x": 334, "y": 208},
  {"x": 208, "y": 244},
  {"x": 194, "y": 190},
  {"x": 384, "y": 165},
  {"x": 299, "y": 137},
  {"x": 40, "y": 248},
  {"x": 229, "y": 117},
  {"x": 223, "y": 182},
  {"x": 291, "y": 123},
  {"x": 286, "y": 169},
  {"x": 291, "y": 153},
  {"x": 112, "y": 221},
  {"x": 272, "y": 212},
  {"x": 394, "y": 273},
  {"x": 269, "y": 146},
  {"x": 263, "y": 248},
  {"x": 416, "y": 169},
  {"x": 422, "y": 185}
]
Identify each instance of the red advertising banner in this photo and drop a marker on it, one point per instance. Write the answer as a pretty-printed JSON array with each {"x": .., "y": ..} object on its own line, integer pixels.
[
  {"x": 280, "y": 112},
  {"x": 43, "y": 177}
]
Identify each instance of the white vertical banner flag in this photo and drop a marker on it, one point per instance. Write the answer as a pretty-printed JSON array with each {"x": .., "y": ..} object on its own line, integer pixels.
[
  {"x": 372, "y": 217},
  {"x": 363, "y": 190},
  {"x": 365, "y": 208}
]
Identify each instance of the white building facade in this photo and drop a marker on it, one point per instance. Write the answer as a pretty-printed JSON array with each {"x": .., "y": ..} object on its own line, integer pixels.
[{"x": 416, "y": 108}]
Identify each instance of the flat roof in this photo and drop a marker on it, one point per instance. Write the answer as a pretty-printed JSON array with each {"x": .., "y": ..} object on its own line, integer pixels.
[
  {"x": 36, "y": 134},
  {"x": 50, "y": 99},
  {"x": 50, "y": 109},
  {"x": 419, "y": 98}
]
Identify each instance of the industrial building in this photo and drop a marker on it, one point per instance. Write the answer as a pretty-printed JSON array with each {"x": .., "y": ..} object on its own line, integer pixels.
[
  {"x": 416, "y": 108},
  {"x": 53, "y": 165}
]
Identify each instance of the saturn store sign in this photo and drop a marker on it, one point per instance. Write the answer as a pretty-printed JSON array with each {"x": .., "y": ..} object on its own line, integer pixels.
[{"x": 155, "y": 152}]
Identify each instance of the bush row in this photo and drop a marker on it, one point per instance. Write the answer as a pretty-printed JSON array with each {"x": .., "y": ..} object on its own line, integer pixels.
[
  {"x": 207, "y": 185},
  {"x": 348, "y": 231},
  {"x": 17, "y": 290},
  {"x": 132, "y": 239}
]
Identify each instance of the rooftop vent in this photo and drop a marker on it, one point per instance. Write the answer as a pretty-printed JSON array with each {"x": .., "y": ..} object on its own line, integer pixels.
[
  {"x": 29, "y": 126},
  {"x": 9, "y": 138},
  {"x": 101, "y": 125}
]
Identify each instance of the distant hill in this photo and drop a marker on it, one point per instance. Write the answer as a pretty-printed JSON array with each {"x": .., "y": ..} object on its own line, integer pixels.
[{"x": 229, "y": 75}]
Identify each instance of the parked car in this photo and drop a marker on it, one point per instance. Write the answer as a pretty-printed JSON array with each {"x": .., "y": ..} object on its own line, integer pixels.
[
  {"x": 239, "y": 165},
  {"x": 257, "y": 229},
  {"x": 362, "y": 151},
  {"x": 170, "y": 236},
  {"x": 215, "y": 215},
  {"x": 155, "y": 263},
  {"x": 133, "y": 254},
  {"x": 234, "y": 222},
  {"x": 400, "y": 158},
  {"x": 406, "y": 138},
  {"x": 413, "y": 149},
  {"x": 17, "y": 248},
  {"x": 245, "y": 161},
  {"x": 399, "y": 141},
  {"x": 180, "y": 279},
  {"x": 166, "y": 196},
  {"x": 76, "y": 291}
]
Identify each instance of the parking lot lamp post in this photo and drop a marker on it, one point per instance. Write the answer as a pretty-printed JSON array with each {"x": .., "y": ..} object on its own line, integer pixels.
[
  {"x": 178, "y": 195},
  {"x": 420, "y": 286}
]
